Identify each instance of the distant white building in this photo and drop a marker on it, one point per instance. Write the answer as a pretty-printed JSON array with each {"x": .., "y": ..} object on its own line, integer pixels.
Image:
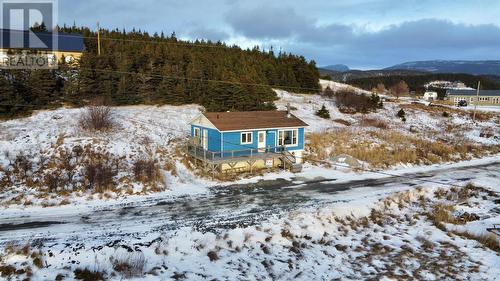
[
  {"x": 486, "y": 97},
  {"x": 430, "y": 96}
]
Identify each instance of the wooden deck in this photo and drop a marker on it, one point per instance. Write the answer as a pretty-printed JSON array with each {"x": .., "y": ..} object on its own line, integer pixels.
[
  {"x": 213, "y": 161},
  {"x": 495, "y": 229},
  {"x": 230, "y": 156}
]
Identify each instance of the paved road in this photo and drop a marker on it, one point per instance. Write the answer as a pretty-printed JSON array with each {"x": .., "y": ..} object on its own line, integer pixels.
[{"x": 222, "y": 207}]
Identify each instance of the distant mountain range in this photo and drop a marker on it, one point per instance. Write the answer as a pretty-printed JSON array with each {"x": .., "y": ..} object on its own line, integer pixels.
[
  {"x": 337, "y": 67},
  {"x": 358, "y": 74},
  {"x": 484, "y": 68},
  {"x": 490, "y": 67}
]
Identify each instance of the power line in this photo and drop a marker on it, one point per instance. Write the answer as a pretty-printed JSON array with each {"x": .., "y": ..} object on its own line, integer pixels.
[
  {"x": 186, "y": 44},
  {"x": 18, "y": 105},
  {"x": 159, "y": 41},
  {"x": 200, "y": 79}
]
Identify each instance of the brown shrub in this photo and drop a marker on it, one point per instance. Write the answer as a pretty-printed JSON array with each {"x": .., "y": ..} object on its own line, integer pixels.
[
  {"x": 212, "y": 255},
  {"x": 171, "y": 167},
  {"x": 7, "y": 270},
  {"x": 482, "y": 116},
  {"x": 442, "y": 214},
  {"x": 52, "y": 181},
  {"x": 374, "y": 122},
  {"x": 130, "y": 264},
  {"x": 148, "y": 171},
  {"x": 144, "y": 170},
  {"x": 96, "y": 118},
  {"x": 22, "y": 166},
  {"x": 37, "y": 259},
  {"x": 342, "y": 121},
  {"x": 99, "y": 176},
  {"x": 87, "y": 275},
  {"x": 350, "y": 102},
  {"x": 488, "y": 240}
]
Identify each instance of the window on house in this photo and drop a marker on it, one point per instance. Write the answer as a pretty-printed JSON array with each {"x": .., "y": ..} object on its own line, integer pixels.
[
  {"x": 197, "y": 137},
  {"x": 246, "y": 138},
  {"x": 288, "y": 137}
]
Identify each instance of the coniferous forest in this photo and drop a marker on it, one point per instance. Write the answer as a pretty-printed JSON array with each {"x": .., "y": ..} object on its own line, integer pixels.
[{"x": 138, "y": 68}]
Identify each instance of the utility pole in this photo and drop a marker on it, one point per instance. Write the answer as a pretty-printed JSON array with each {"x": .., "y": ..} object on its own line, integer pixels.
[
  {"x": 476, "y": 101},
  {"x": 98, "y": 39}
]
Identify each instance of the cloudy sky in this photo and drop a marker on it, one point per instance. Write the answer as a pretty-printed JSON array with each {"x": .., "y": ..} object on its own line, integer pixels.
[{"x": 362, "y": 34}]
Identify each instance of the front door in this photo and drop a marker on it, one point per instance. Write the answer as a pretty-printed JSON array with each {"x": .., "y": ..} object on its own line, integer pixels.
[
  {"x": 262, "y": 141},
  {"x": 205, "y": 139}
]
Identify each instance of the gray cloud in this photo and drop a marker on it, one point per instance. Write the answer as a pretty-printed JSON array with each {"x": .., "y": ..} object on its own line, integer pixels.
[
  {"x": 434, "y": 33},
  {"x": 355, "y": 44},
  {"x": 206, "y": 33},
  {"x": 266, "y": 22},
  {"x": 360, "y": 33},
  {"x": 284, "y": 23}
]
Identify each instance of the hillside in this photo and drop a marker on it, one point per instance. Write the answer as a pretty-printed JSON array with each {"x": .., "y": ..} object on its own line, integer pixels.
[
  {"x": 336, "y": 67},
  {"x": 456, "y": 66},
  {"x": 417, "y": 82},
  {"x": 328, "y": 221},
  {"x": 138, "y": 68},
  {"x": 360, "y": 74},
  {"x": 43, "y": 142}
]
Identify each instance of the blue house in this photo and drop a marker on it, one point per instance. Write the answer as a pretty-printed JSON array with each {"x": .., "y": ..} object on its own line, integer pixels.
[{"x": 241, "y": 141}]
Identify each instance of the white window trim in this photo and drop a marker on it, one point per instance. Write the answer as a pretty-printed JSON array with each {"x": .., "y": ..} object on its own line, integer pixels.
[
  {"x": 198, "y": 138},
  {"x": 246, "y": 133},
  {"x": 295, "y": 131}
]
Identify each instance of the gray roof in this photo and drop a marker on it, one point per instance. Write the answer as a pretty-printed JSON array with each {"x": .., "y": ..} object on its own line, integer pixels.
[
  {"x": 485, "y": 93},
  {"x": 42, "y": 41}
]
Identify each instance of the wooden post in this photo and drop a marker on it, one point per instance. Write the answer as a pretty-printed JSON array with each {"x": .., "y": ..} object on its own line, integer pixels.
[
  {"x": 476, "y": 101},
  {"x": 251, "y": 162},
  {"x": 98, "y": 39}
]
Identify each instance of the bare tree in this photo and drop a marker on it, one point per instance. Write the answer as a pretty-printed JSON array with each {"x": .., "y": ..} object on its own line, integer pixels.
[
  {"x": 329, "y": 93},
  {"x": 96, "y": 118},
  {"x": 400, "y": 89},
  {"x": 380, "y": 89},
  {"x": 23, "y": 165}
]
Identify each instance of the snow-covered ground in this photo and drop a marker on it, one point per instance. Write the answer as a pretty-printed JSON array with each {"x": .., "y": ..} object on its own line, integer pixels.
[
  {"x": 336, "y": 86},
  {"x": 327, "y": 222},
  {"x": 150, "y": 131},
  {"x": 457, "y": 85},
  {"x": 382, "y": 231},
  {"x": 484, "y": 108}
]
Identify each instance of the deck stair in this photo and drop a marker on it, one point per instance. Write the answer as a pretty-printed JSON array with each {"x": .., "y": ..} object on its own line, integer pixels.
[
  {"x": 495, "y": 229},
  {"x": 290, "y": 162}
]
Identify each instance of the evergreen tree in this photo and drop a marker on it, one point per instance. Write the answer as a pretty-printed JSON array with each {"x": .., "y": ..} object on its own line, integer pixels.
[
  {"x": 9, "y": 101},
  {"x": 401, "y": 114},
  {"x": 135, "y": 68},
  {"x": 323, "y": 113},
  {"x": 41, "y": 86}
]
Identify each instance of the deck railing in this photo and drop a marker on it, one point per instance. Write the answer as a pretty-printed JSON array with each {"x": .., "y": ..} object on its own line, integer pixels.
[{"x": 196, "y": 150}]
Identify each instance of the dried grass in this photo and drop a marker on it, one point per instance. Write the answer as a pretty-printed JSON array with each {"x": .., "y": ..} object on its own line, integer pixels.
[
  {"x": 382, "y": 149},
  {"x": 129, "y": 264},
  {"x": 373, "y": 122}
]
